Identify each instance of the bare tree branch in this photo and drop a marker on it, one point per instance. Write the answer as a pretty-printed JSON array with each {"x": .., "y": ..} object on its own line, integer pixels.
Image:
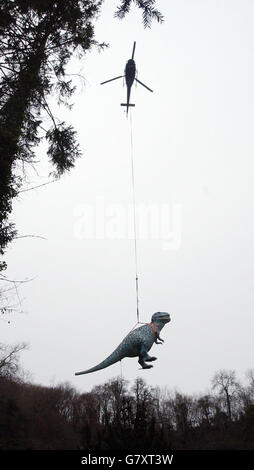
[{"x": 38, "y": 186}]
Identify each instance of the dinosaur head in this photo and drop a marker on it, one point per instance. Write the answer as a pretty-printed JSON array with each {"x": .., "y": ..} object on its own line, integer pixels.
[{"x": 161, "y": 317}]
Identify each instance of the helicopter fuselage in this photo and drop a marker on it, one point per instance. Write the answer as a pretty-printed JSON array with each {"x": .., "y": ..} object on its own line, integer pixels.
[
  {"x": 130, "y": 72},
  {"x": 130, "y": 76}
]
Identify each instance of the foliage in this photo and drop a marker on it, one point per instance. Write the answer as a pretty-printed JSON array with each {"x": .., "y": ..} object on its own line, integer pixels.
[
  {"x": 148, "y": 11},
  {"x": 114, "y": 416}
]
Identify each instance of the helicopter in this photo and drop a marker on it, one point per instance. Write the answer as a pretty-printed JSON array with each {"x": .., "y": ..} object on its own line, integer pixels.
[{"x": 130, "y": 76}]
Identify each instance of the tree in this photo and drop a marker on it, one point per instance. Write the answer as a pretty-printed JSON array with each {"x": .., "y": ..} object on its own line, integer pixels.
[
  {"x": 37, "y": 40},
  {"x": 143, "y": 402},
  {"x": 250, "y": 376},
  {"x": 247, "y": 392},
  {"x": 205, "y": 409},
  {"x": 9, "y": 359},
  {"x": 118, "y": 388},
  {"x": 182, "y": 409},
  {"x": 225, "y": 381}
]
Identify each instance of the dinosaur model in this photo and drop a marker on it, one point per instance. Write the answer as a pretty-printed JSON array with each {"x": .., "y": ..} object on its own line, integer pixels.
[{"x": 137, "y": 343}]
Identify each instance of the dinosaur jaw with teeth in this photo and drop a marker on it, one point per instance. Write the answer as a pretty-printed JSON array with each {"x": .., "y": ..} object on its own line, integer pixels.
[{"x": 165, "y": 317}]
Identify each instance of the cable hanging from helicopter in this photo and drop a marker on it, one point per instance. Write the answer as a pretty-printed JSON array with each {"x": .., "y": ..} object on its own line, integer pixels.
[{"x": 130, "y": 76}]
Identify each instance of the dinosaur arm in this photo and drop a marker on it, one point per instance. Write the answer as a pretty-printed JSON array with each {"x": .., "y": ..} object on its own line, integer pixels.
[
  {"x": 158, "y": 342},
  {"x": 158, "y": 337}
]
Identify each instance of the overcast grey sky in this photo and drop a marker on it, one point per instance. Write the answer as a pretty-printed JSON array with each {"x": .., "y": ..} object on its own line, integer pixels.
[{"x": 193, "y": 151}]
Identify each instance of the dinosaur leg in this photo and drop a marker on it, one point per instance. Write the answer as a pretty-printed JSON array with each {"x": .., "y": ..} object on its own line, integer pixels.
[
  {"x": 150, "y": 358},
  {"x": 143, "y": 364},
  {"x": 144, "y": 356}
]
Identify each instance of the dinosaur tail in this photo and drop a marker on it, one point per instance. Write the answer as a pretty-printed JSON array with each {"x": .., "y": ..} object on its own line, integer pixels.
[{"x": 111, "y": 359}]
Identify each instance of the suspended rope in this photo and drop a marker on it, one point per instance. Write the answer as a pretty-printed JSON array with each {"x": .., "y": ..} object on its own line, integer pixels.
[
  {"x": 135, "y": 234},
  {"x": 134, "y": 217},
  {"x": 121, "y": 369}
]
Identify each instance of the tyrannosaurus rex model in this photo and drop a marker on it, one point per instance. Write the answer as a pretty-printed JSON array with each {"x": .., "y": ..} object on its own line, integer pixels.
[{"x": 137, "y": 343}]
